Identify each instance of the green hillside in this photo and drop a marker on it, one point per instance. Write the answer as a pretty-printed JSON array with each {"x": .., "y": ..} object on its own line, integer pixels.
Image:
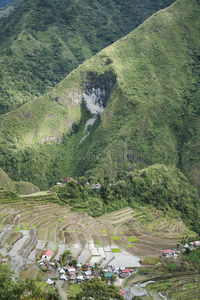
[
  {"x": 164, "y": 188},
  {"x": 147, "y": 85},
  {"x": 7, "y": 185},
  {"x": 43, "y": 40}
]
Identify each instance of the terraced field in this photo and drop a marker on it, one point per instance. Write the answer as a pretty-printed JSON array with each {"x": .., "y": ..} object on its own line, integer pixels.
[
  {"x": 120, "y": 238},
  {"x": 176, "y": 288}
]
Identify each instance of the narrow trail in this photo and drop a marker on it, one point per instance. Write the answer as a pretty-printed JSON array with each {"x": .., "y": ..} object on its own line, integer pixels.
[{"x": 62, "y": 293}]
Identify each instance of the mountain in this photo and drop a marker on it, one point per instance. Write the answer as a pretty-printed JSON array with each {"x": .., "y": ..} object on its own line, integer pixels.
[
  {"x": 43, "y": 40},
  {"x": 134, "y": 104}
]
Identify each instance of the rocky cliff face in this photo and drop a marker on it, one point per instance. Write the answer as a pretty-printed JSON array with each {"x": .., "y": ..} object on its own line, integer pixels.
[{"x": 94, "y": 100}]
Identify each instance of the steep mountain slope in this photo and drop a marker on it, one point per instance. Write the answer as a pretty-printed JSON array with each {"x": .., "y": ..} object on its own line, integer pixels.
[
  {"x": 19, "y": 187},
  {"x": 43, "y": 40},
  {"x": 140, "y": 107}
]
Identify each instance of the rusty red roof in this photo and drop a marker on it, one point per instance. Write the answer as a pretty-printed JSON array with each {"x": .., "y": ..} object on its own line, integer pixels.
[
  {"x": 47, "y": 253},
  {"x": 167, "y": 251},
  {"x": 126, "y": 271}
]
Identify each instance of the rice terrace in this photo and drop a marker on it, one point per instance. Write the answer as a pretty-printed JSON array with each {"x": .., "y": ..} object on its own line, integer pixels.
[{"x": 119, "y": 238}]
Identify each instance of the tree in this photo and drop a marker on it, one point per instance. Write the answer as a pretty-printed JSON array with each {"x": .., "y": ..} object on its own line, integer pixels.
[
  {"x": 63, "y": 257},
  {"x": 18, "y": 289},
  {"x": 97, "y": 290}
]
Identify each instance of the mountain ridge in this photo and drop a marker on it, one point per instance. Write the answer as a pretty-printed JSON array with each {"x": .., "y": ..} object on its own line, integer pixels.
[
  {"x": 42, "y": 41},
  {"x": 150, "y": 108}
]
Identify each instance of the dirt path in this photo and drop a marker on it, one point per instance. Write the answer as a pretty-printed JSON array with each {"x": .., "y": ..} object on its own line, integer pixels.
[{"x": 63, "y": 294}]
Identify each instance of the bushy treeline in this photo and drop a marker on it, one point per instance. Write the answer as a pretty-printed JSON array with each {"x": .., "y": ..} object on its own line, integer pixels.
[
  {"x": 164, "y": 188},
  {"x": 22, "y": 289}
]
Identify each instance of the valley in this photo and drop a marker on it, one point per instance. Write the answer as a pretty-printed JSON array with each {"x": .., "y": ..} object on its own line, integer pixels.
[{"x": 99, "y": 149}]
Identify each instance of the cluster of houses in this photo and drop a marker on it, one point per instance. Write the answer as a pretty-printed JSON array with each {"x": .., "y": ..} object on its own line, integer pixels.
[
  {"x": 192, "y": 244},
  {"x": 65, "y": 180},
  {"x": 82, "y": 272},
  {"x": 68, "y": 179},
  {"x": 170, "y": 253},
  {"x": 167, "y": 252},
  {"x": 85, "y": 272},
  {"x": 96, "y": 186}
]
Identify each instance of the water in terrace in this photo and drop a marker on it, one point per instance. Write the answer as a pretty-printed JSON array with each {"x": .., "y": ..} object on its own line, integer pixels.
[
  {"x": 18, "y": 245},
  {"x": 61, "y": 248},
  {"x": 125, "y": 260},
  {"x": 84, "y": 256},
  {"x": 95, "y": 259},
  {"x": 109, "y": 257},
  {"x": 138, "y": 290}
]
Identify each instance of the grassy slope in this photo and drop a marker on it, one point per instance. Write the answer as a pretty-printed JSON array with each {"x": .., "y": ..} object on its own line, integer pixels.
[
  {"x": 21, "y": 187},
  {"x": 151, "y": 114},
  {"x": 43, "y": 40}
]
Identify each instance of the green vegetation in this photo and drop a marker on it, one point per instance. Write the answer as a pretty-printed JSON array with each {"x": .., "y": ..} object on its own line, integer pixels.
[
  {"x": 149, "y": 128},
  {"x": 164, "y": 188},
  {"x": 151, "y": 260},
  {"x": 176, "y": 278},
  {"x": 97, "y": 289},
  {"x": 115, "y": 238},
  {"x": 132, "y": 239},
  {"x": 151, "y": 113},
  {"x": 16, "y": 228},
  {"x": 42, "y": 41},
  {"x": 73, "y": 290},
  {"x": 18, "y": 289},
  {"x": 97, "y": 244},
  {"x": 18, "y": 187},
  {"x": 177, "y": 288},
  {"x": 115, "y": 250}
]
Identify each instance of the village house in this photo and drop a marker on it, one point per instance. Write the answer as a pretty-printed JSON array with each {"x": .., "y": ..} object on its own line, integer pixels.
[
  {"x": 121, "y": 292},
  {"x": 124, "y": 273},
  {"x": 50, "y": 281},
  {"x": 88, "y": 273},
  {"x": 47, "y": 254},
  {"x": 98, "y": 186},
  {"x": 70, "y": 269},
  {"x": 167, "y": 252},
  {"x": 108, "y": 275},
  {"x": 196, "y": 243},
  {"x": 63, "y": 277},
  {"x": 79, "y": 278},
  {"x": 72, "y": 277},
  {"x": 67, "y": 179},
  {"x": 62, "y": 271}
]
